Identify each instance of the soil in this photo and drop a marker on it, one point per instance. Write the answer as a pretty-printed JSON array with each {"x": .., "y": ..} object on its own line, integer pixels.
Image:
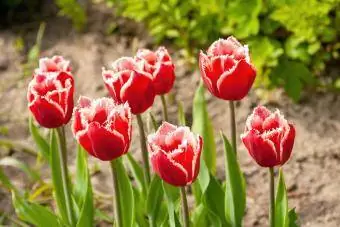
[{"x": 312, "y": 175}]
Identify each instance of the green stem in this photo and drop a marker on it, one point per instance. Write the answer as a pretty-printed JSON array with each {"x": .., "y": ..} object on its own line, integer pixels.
[
  {"x": 64, "y": 174},
  {"x": 272, "y": 197},
  {"x": 165, "y": 108},
  {"x": 185, "y": 209},
  {"x": 145, "y": 154},
  {"x": 116, "y": 206},
  {"x": 233, "y": 125}
]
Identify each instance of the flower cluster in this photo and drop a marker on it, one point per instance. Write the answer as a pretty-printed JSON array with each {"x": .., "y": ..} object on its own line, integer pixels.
[{"x": 103, "y": 127}]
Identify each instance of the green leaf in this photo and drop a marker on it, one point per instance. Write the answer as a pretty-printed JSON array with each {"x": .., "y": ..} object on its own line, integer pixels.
[
  {"x": 203, "y": 126},
  {"x": 281, "y": 203},
  {"x": 201, "y": 184},
  {"x": 126, "y": 194},
  {"x": 199, "y": 216},
  {"x": 212, "y": 199},
  {"x": 181, "y": 114},
  {"x": 8, "y": 161},
  {"x": 137, "y": 172},
  {"x": 155, "y": 198},
  {"x": 140, "y": 204},
  {"x": 39, "y": 140},
  {"x": 83, "y": 190},
  {"x": 57, "y": 176},
  {"x": 235, "y": 194},
  {"x": 293, "y": 218},
  {"x": 172, "y": 195},
  {"x": 33, "y": 213},
  {"x": 5, "y": 181},
  {"x": 292, "y": 75}
]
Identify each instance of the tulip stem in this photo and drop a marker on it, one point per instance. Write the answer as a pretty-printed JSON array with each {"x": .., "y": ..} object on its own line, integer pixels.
[
  {"x": 272, "y": 197},
  {"x": 116, "y": 204},
  {"x": 165, "y": 108},
  {"x": 233, "y": 125},
  {"x": 185, "y": 209},
  {"x": 64, "y": 174},
  {"x": 145, "y": 154}
]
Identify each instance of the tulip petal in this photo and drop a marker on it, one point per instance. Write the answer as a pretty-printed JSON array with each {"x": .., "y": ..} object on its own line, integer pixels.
[
  {"x": 163, "y": 78},
  {"x": 106, "y": 145},
  {"x": 262, "y": 150},
  {"x": 48, "y": 114},
  {"x": 138, "y": 91},
  {"x": 170, "y": 171},
  {"x": 287, "y": 143},
  {"x": 236, "y": 83},
  {"x": 208, "y": 76}
]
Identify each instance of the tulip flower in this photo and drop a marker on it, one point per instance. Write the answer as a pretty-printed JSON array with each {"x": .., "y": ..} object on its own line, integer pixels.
[
  {"x": 175, "y": 154},
  {"x": 102, "y": 127},
  {"x": 160, "y": 66},
  {"x": 226, "y": 69},
  {"x": 127, "y": 83},
  {"x": 50, "y": 92},
  {"x": 268, "y": 137}
]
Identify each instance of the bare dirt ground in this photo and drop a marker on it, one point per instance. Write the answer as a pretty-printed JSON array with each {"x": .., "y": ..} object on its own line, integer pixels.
[{"x": 312, "y": 174}]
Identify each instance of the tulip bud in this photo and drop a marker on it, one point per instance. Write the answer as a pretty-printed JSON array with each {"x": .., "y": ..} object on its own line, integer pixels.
[
  {"x": 160, "y": 66},
  {"x": 50, "y": 92},
  {"x": 226, "y": 69},
  {"x": 175, "y": 154},
  {"x": 102, "y": 127},
  {"x": 268, "y": 137},
  {"x": 126, "y": 83}
]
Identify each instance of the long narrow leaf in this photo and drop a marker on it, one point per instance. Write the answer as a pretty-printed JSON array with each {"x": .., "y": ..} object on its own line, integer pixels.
[
  {"x": 5, "y": 181},
  {"x": 33, "y": 213},
  {"x": 155, "y": 198},
  {"x": 203, "y": 126},
  {"x": 126, "y": 195},
  {"x": 235, "y": 197},
  {"x": 137, "y": 172},
  {"x": 31, "y": 173},
  {"x": 83, "y": 191},
  {"x": 39, "y": 140},
  {"x": 56, "y": 177},
  {"x": 281, "y": 203},
  {"x": 172, "y": 196}
]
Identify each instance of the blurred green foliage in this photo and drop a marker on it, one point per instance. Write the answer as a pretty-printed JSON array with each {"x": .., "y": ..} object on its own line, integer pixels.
[
  {"x": 290, "y": 40},
  {"x": 74, "y": 11}
]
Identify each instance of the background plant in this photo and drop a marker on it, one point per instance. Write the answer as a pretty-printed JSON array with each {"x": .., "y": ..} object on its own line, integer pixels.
[{"x": 291, "y": 41}]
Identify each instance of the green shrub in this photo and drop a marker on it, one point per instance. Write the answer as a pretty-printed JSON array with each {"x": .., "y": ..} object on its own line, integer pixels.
[{"x": 290, "y": 40}]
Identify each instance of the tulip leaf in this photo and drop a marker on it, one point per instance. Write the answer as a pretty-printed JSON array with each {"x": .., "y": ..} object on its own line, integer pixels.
[
  {"x": 155, "y": 198},
  {"x": 212, "y": 199},
  {"x": 35, "y": 214},
  {"x": 172, "y": 195},
  {"x": 83, "y": 190},
  {"x": 5, "y": 181},
  {"x": 137, "y": 172},
  {"x": 292, "y": 216},
  {"x": 235, "y": 195},
  {"x": 203, "y": 126},
  {"x": 9, "y": 161},
  {"x": 281, "y": 203},
  {"x": 127, "y": 201},
  {"x": 181, "y": 114},
  {"x": 199, "y": 216},
  {"x": 140, "y": 208},
  {"x": 59, "y": 191},
  {"x": 40, "y": 141}
]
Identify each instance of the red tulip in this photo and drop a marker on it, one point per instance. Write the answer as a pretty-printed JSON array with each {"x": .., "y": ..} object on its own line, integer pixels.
[
  {"x": 268, "y": 137},
  {"x": 226, "y": 69},
  {"x": 160, "y": 66},
  {"x": 102, "y": 127},
  {"x": 126, "y": 83},
  {"x": 50, "y": 93},
  {"x": 175, "y": 154}
]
